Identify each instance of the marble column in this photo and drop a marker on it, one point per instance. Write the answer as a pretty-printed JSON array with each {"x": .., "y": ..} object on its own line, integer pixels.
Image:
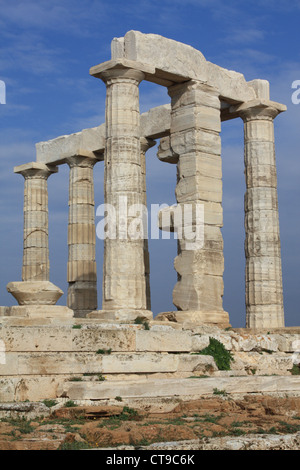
[
  {"x": 36, "y": 237},
  {"x": 82, "y": 271},
  {"x": 195, "y": 128},
  {"x": 264, "y": 293},
  {"x": 36, "y": 295},
  {"x": 124, "y": 278}
]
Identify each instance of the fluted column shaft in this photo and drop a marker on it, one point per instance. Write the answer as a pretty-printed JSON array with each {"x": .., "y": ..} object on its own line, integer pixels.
[
  {"x": 82, "y": 271},
  {"x": 195, "y": 128},
  {"x": 264, "y": 293},
  {"x": 124, "y": 281},
  {"x": 36, "y": 238}
]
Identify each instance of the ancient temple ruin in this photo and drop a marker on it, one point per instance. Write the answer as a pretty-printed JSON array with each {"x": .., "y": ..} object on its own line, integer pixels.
[
  {"x": 50, "y": 351},
  {"x": 202, "y": 95}
]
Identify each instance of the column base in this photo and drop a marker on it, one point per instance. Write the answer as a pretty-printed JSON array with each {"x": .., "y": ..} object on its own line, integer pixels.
[
  {"x": 196, "y": 317},
  {"x": 121, "y": 315},
  {"x": 37, "y": 311}
]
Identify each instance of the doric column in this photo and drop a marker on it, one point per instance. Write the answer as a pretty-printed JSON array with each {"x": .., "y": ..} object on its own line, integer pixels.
[
  {"x": 124, "y": 280},
  {"x": 264, "y": 295},
  {"x": 82, "y": 272},
  {"x": 36, "y": 239},
  {"x": 146, "y": 144},
  {"x": 36, "y": 295},
  {"x": 195, "y": 128}
]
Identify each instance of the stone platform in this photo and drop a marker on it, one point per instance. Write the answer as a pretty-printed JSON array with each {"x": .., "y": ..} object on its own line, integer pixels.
[{"x": 89, "y": 360}]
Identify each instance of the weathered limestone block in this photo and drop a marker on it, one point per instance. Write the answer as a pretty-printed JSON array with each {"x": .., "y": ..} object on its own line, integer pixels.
[
  {"x": 165, "y": 152},
  {"x": 199, "y": 342},
  {"x": 177, "y": 62},
  {"x": 255, "y": 363},
  {"x": 98, "y": 337},
  {"x": 287, "y": 343},
  {"x": 50, "y": 363},
  {"x": 29, "y": 388},
  {"x": 68, "y": 338},
  {"x": 35, "y": 292},
  {"x": 196, "y": 364},
  {"x": 165, "y": 340},
  {"x": 257, "y": 343},
  {"x": 170, "y": 58},
  {"x": 139, "y": 363},
  {"x": 28, "y": 339},
  {"x": 37, "y": 314}
]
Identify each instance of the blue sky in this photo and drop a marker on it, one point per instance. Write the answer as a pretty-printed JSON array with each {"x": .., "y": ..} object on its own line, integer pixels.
[{"x": 46, "y": 51}]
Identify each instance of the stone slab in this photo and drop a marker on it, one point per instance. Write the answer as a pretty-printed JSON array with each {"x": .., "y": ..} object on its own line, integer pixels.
[
  {"x": 66, "y": 338},
  {"x": 40, "y": 311},
  {"x": 48, "y": 363},
  {"x": 34, "y": 388},
  {"x": 180, "y": 387}
]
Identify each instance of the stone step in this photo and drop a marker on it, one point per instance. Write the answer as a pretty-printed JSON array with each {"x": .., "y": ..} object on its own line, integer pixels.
[
  {"x": 48, "y": 363},
  {"x": 91, "y": 337},
  {"x": 179, "y": 387}
]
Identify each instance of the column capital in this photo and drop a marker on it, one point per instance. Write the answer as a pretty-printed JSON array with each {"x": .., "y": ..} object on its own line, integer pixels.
[
  {"x": 121, "y": 68},
  {"x": 35, "y": 170},
  {"x": 258, "y": 109},
  {"x": 83, "y": 160}
]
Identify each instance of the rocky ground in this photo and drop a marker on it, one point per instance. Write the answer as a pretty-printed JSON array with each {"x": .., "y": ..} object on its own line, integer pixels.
[{"x": 219, "y": 422}]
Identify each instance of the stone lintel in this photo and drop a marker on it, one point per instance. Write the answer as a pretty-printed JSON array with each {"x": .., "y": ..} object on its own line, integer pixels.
[
  {"x": 92, "y": 139},
  {"x": 155, "y": 124}
]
